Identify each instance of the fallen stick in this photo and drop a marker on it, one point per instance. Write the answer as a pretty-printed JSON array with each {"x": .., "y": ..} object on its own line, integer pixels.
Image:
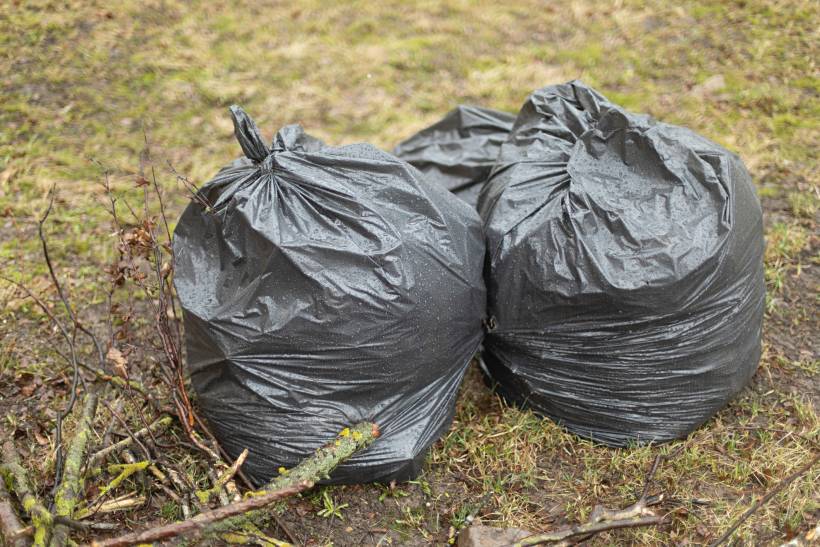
[
  {"x": 80, "y": 525},
  {"x": 72, "y": 486},
  {"x": 591, "y": 527},
  {"x": 250, "y": 511},
  {"x": 315, "y": 468},
  {"x": 10, "y": 527},
  {"x": 126, "y": 501},
  {"x": 41, "y": 518},
  {"x": 117, "y": 447},
  {"x": 205, "y": 495},
  {"x": 196, "y": 526},
  {"x": 123, "y": 470},
  {"x": 177, "y": 481},
  {"x": 24, "y": 533},
  {"x": 762, "y": 501},
  {"x": 253, "y": 535},
  {"x": 603, "y": 519},
  {"x": 119, "y": 381}
]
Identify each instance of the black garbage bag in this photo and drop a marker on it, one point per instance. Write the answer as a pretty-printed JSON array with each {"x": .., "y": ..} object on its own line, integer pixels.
[
  {"x": 624, "y": 270},
  {"x": 322, "y": 287},
  {"x": 459, "y": 150}
]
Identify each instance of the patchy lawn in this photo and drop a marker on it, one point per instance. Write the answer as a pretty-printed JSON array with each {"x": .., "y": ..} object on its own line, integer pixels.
[{"x": 85, "y": 84}]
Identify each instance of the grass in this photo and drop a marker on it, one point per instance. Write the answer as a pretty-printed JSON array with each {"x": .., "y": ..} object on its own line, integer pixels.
[
  {"x": 84, "y": 85},
  {"x": 527, "y": 463}
]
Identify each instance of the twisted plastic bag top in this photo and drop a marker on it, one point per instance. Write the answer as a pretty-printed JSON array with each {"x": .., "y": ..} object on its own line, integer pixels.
[
  {"x": 323, "y": 286},
  {"x": 625, "y": 272}
]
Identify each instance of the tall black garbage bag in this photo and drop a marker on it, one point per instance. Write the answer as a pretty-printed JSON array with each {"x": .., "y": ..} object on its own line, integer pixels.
[
  {"x": 624, "y": 269},
  {"x": 322, "y": 287},
  {"x": 459, "y": 150}
]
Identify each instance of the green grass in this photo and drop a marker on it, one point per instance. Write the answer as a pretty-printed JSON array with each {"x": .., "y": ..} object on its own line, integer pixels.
[
  {"x": 805, "y": 204},
  {"x": 530, "y": 465},
  {"x": 84, "y": 83}
]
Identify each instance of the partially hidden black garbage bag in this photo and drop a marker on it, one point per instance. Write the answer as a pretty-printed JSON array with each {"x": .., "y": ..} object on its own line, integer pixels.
[
  {"x": 322, "y": 287},
  {"x": 459, "y": 150},
  {"x": 624, "y": 270}
]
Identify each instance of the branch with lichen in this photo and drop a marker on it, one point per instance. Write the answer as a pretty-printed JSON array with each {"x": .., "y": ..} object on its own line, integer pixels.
[
  {"x": 251, "y": 533},
  {"x": 73, "y": 484},
  {"x": 313, "y": 469},
  {"x": 10, "y": 527},
  {"x": 123, "y": 470},
  {"x": 197, "y": 526},
  {"x": 250, "y": 514},
  {"x": 17, "y": 481}
]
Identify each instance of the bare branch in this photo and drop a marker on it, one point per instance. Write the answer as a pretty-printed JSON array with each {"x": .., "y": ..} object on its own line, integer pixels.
[
  {"x": 99, "y": 456},
  {"x": 18, "y": 481},
  {"x": 197, "y": 525},
  {"x": 603, "y": 519},
  {"x": 249, "y": 511},
  {"x": 205, "y": 495},
  {"x": 10, "y": 527}
]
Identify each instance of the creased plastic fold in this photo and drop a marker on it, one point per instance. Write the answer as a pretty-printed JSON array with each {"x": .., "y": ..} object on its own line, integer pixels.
[
  {"x": 459, "y": 150},
  {"x": 624, "y": 269},
  {"x": 325, "y": 286}
]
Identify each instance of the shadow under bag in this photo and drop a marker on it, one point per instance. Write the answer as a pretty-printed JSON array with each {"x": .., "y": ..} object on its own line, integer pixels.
[
  {"x": 624, "y": 270},
  {"x": 322, "y": 287}
]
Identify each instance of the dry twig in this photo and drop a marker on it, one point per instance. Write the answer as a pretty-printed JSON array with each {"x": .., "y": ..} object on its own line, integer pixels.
[
  {"x": 100, "y": 455},
  {"x": 249, "y": 512},
  {"x": 70, "y": 340},
  {"x": 10, "y": 527},
  {"x": 603, "y": 519},
  {"x": 126, "y": 501},
  {"x": 762, "y": 501},
  {"x": 72, "y": 487},
  {"x": 205, "y": 495},
  {"x": 198, "y": 525},
  {"x": 18, "y": 478}
]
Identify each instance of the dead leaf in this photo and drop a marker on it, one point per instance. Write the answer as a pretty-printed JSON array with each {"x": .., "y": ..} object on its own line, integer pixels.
[
  {"x": 119, "y": 361},
  {"x": 40, "y": 438},
  {"x": 27, "y": 383}
]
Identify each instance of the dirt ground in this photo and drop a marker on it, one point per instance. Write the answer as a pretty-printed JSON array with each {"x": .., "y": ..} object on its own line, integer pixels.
[{"x": 85, "y": 84}]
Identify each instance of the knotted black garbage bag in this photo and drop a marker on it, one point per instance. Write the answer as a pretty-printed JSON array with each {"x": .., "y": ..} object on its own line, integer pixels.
[
  {"x": 624, "y": 269},
  {"x": 459, "y": 150},
  {"x": 322, "y": 287}
]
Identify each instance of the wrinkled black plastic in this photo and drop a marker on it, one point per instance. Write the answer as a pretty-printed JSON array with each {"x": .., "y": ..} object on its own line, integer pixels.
[
  {"x": 624, "y": 269},
  {"x": 459, "y": 150},
  {"x": 323, "y": 287}
]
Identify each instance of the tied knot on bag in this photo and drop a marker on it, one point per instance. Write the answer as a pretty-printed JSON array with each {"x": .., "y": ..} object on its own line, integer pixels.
[
  {"x": 248, "y": 135},
  {"x": 253, "y": 146}
]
